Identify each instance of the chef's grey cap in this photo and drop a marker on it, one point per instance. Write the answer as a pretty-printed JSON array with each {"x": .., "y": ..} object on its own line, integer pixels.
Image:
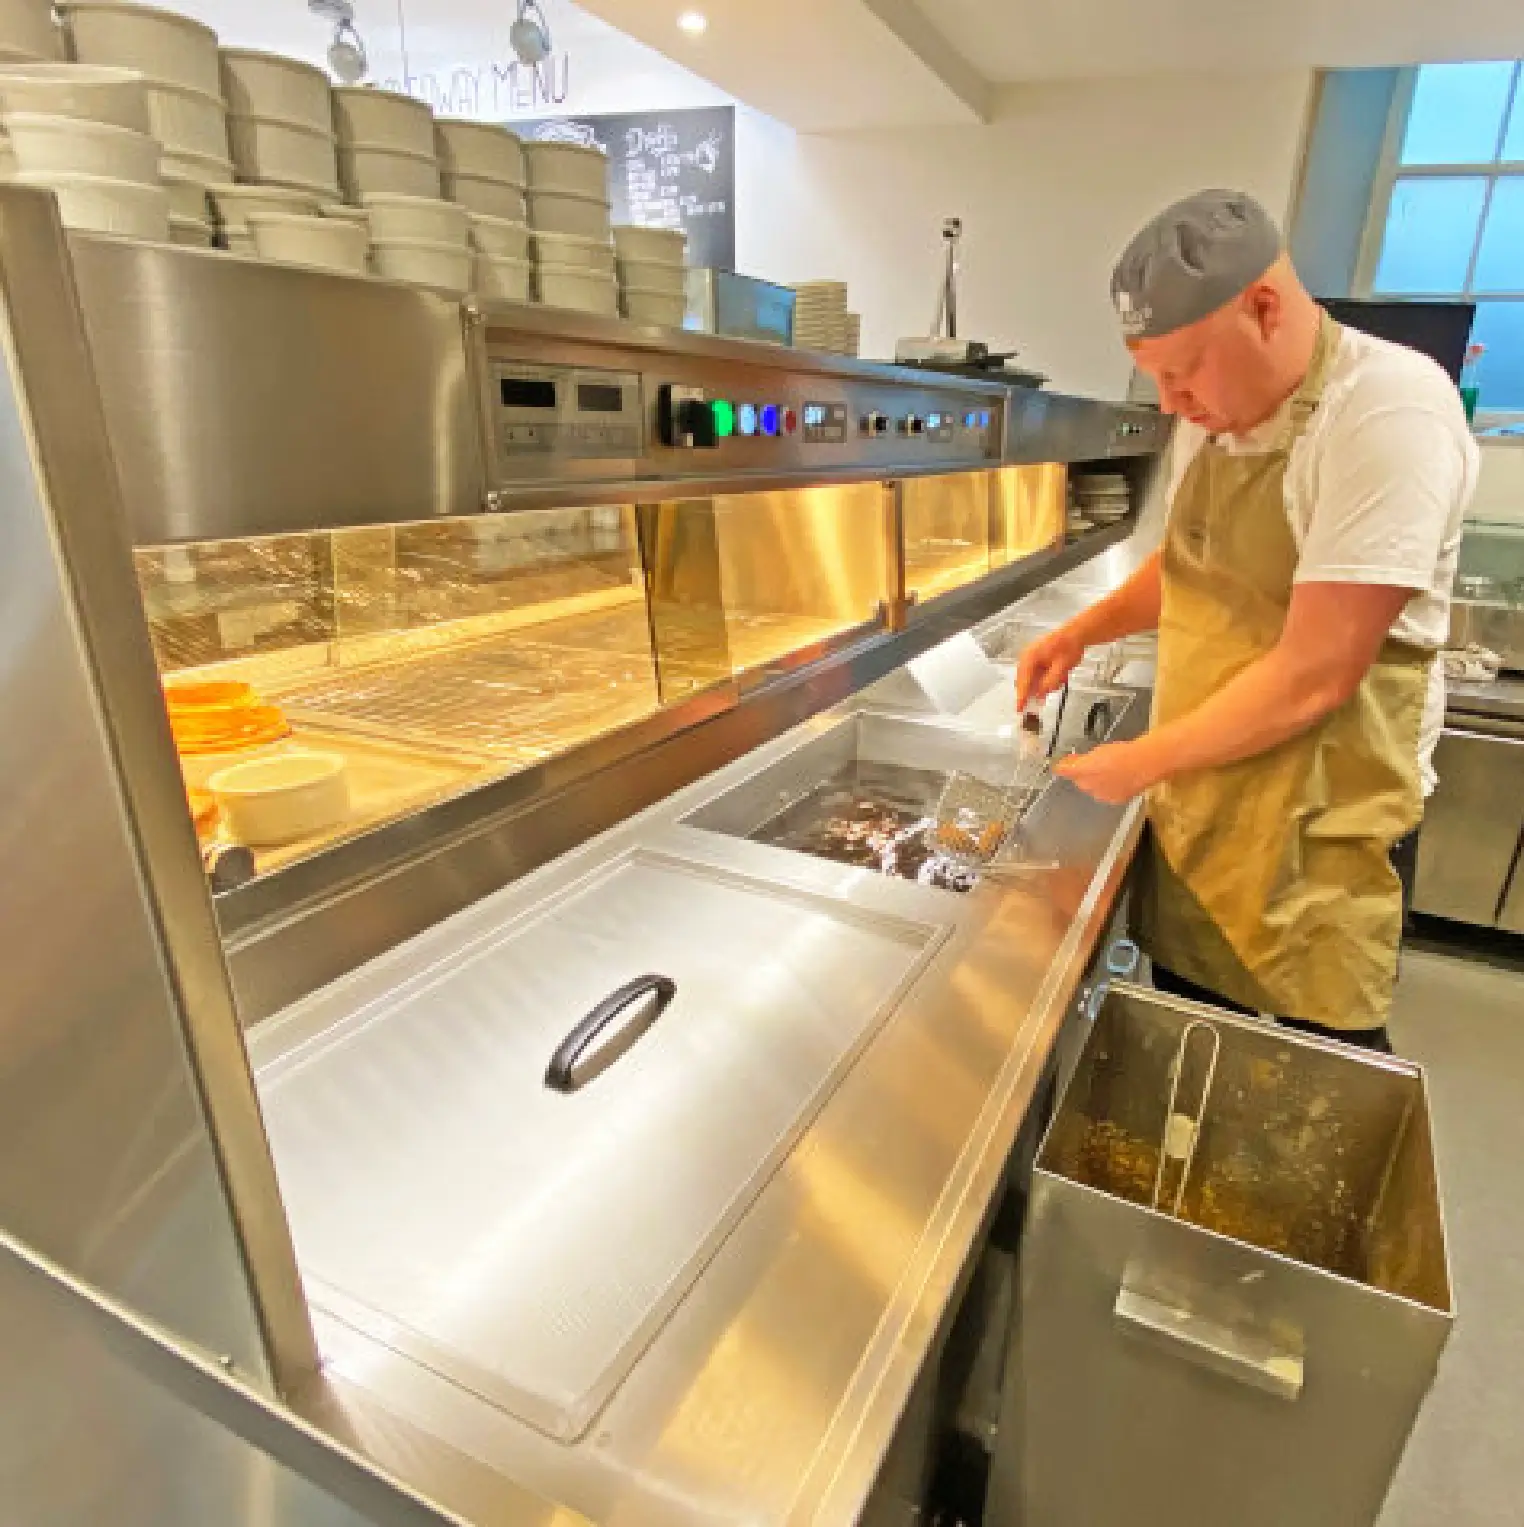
[{"x": 1190, "y": 260}]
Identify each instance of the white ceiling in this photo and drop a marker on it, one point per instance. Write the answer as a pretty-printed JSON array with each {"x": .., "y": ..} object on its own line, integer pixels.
[{"x": 1014, "y": 40}]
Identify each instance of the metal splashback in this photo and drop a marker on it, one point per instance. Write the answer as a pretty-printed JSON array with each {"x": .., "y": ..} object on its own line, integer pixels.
[{"x": 247, "y": 399}]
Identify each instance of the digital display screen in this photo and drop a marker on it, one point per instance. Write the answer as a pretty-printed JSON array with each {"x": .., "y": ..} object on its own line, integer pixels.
[
  {"x": 814, "y": 415},
  {"x": 528, "y": 392},
  {"x": 599, "y": 398}
]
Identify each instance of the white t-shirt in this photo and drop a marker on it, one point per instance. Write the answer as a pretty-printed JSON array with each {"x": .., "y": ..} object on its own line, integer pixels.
[{"x": 1376, "y": 490}]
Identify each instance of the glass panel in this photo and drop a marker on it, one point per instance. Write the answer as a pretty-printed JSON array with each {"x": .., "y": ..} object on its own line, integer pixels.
[
  {"x": 1431, "y": 230},
  {"x": 1030, "y": 511},
  {"x": 429, "y": 657},
  {"x": 1500, "y": 327},
  {"x": 1513, "y": 142},
  {"x": 1500, "y": 261},
  {"x": 1457, "y": 114},
  {"x": 947, "y": 532}
]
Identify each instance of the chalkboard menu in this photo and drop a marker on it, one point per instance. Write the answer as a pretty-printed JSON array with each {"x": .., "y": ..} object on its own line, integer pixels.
[{"x": 667, "y": 169}]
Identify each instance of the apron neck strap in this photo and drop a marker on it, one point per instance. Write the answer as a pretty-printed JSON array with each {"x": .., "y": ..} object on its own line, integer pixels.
[{"x": 1309, "y": 396}]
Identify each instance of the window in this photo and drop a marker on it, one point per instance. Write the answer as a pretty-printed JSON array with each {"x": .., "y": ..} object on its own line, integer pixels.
[{"x": 1448, "y": 214}]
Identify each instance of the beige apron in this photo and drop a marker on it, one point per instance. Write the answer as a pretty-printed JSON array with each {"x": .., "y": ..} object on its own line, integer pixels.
[{"x": 1270, "y": 880}]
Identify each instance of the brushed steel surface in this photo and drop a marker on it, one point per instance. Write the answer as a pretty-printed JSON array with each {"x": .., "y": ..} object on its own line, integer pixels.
[
  {"x": 1472, "y": 827},
  {"x": 1327, "y": 1155},
  {"x": 513, "y": 1248},
  {"x": 244, "y": 398},
  {"x": 117, "y": 1021},
  {"x": 1511, "y": 914},
  {"x": 1049, "y": 426},
  {"x": 293, "y": 931},
  {"x": 772, "y": 1391}
]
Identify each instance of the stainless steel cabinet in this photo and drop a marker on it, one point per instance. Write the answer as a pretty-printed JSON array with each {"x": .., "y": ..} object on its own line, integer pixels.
[
  {"x": 1512, "y": 916},
  {"x": 1472, "y": 828}
]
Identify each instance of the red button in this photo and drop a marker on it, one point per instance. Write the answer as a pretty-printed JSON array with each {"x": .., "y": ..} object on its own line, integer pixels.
[{"x": 790, "y": 421}]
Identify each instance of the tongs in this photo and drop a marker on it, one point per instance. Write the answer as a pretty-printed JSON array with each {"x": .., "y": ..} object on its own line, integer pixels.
[{"x": 976, "y": 820}]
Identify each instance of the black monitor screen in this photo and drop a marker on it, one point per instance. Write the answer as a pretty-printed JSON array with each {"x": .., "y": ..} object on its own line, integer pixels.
[{"x": 1440, "y": 330}]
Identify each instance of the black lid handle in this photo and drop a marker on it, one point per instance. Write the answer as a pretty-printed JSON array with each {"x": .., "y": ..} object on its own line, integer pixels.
[{"x": 586, "y": 1054}]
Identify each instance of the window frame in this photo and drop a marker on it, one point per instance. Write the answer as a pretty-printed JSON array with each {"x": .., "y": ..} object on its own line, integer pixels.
[{"x": 1390, "y": 169}]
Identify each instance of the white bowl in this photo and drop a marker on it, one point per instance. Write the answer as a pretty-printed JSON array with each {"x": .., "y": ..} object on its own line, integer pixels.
[
  {"x": 325, "y": 242},
  {"x": 418, "y": 218},
  {"x": 345, "y": 213},
  {"x": 186, "y": 120},
  {"x": 208, "y": 169},
  {"x": 26, "y": 27},
  {"x": 235, "y": 203},
  {"x": 573, "y": 167},
  {"x": 383, "y": 119},
  {"x": 569, "y": 212},
  {"x": 191, "y": 232},
  {"x": 91, "y": 93},
  {"x": 96, "y": 204},
  {"x": 654, "y": 307},
  {"x": 283, "y": 153},
  {"x": 568, "y": 249},
  {"x": 479, "y": 148},
  {"x": 654, "y": 276},
  {"x": 280, "y": 89},
  {"x": 283, "y": 797},
  {"x": 667, "y": 245},
  {"x": 570, "y": 286},
  {"x": 447, "y": 266},
  {"x": 502, "y": 279},
  {"x": 161, "y": 43},
  {"x": 239, "y": 242},
  {"x": 499, "y": 236},
  {"x": 187, "y": 198},
  {"x": 491, "y": 198},
  {"x": 67, "y": 146},
  {"x": 365, "y": 169}
]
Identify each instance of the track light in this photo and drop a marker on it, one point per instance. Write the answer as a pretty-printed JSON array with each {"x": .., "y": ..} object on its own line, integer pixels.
[
  {"x": 530, "y": 34},
  {"x": 346, "y": 53}
]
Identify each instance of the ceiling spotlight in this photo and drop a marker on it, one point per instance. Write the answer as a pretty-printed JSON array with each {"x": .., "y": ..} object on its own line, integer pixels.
[
  {"x": 530, "y": 34},
  {"x": 694, "y": 23},
  {"x": 346, "y": 53}
]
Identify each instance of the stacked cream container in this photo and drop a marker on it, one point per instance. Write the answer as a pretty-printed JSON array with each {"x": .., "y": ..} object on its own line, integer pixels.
[
  {"x": 569, "y": 215},
  {"x": 27, "y": 32},
  {"x": 653, "y": 274},
  {"x": 421, "y": 239},
  {"x": 234, "y": 205},
  {"x": 82, "y": 133},
  {"x": 482, "y": 170},
  {"x": 280, "y": 122},
  {"x": 386, "y": 144},
  {"x": 182, "y": 78}
]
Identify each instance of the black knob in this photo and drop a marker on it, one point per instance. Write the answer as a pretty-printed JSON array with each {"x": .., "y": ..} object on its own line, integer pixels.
[
  {"x": 875, "y": 424},
  {"x": 912, "y": 424},
  {"x": 685, "y": 420}
]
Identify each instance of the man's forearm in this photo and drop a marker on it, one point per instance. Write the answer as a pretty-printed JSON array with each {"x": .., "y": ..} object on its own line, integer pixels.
[{"x": 1132, "y": 608}]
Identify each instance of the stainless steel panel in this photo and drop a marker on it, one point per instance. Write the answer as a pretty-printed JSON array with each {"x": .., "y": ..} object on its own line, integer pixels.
[
  {"x": 1262, "y": 1359},
  {"x": 1048, "y": 426},
  {"x": 1471, "y": 827},
  {"x": 1511, "y": 916},
  {"x": 447, "y": 1200},
  {"x": 116, "y": 1026},
  {"x": 244, "y": 398}
]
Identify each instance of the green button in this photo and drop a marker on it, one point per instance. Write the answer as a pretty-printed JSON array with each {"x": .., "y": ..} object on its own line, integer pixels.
[{"x": 724, "y": 418}]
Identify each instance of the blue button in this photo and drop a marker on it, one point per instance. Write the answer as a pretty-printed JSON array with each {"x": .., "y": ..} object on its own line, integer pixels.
[
  {"x": 984, "y": 420},
  {"x": 746, "y": 418},
  {"x": 769, "y": 418}
]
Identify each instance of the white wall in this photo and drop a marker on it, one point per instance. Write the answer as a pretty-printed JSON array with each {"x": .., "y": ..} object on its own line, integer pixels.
[{"x": 1048, "y": 193}]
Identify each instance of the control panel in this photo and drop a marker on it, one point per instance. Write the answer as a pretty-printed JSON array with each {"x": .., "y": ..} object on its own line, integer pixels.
[{"x": 557, "y": 412}]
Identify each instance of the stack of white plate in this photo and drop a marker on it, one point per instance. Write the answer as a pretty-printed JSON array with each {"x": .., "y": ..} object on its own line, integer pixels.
[
  {"x": 28, "y": 33},
  {"x": 421, "y": 239},
  {"x": 280, "y": 122},
  {"x": 653, "y": 274},
  {"x": 386, "y": 144},
  {"x": 504, "y": 270},
  {"x": 324, "y": 243},
  {"x": 88, "y": 143},
  {"x": 1103, "y": 498},
  {"x": 182, "y": 78},
  {"x": 854, "y": 344},
  {"x": 233, "y": 207},
  {"x": 820, "y": 316},
  {"x": 569, "y": 213}
]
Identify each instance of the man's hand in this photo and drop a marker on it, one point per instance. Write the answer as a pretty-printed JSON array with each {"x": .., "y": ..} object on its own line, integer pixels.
[
  {"x": 1046, "y": 664},
  {"x": 1115, "y": 773}
]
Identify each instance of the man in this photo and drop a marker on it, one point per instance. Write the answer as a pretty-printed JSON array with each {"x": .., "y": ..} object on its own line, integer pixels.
[{"x": 1317, "y": 480}]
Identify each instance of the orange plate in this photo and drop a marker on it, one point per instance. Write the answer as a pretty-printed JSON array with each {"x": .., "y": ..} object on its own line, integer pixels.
[
  {"x": 223, "y": 731},
  {"x": 226, "y": 694}
]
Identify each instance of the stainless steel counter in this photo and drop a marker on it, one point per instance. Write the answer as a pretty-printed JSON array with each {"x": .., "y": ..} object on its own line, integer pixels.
[{"x": 744, "y": 1343}]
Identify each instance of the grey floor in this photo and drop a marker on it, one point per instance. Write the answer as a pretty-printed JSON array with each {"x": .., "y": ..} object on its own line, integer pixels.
[{"x": 1464, "y": 1020}]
